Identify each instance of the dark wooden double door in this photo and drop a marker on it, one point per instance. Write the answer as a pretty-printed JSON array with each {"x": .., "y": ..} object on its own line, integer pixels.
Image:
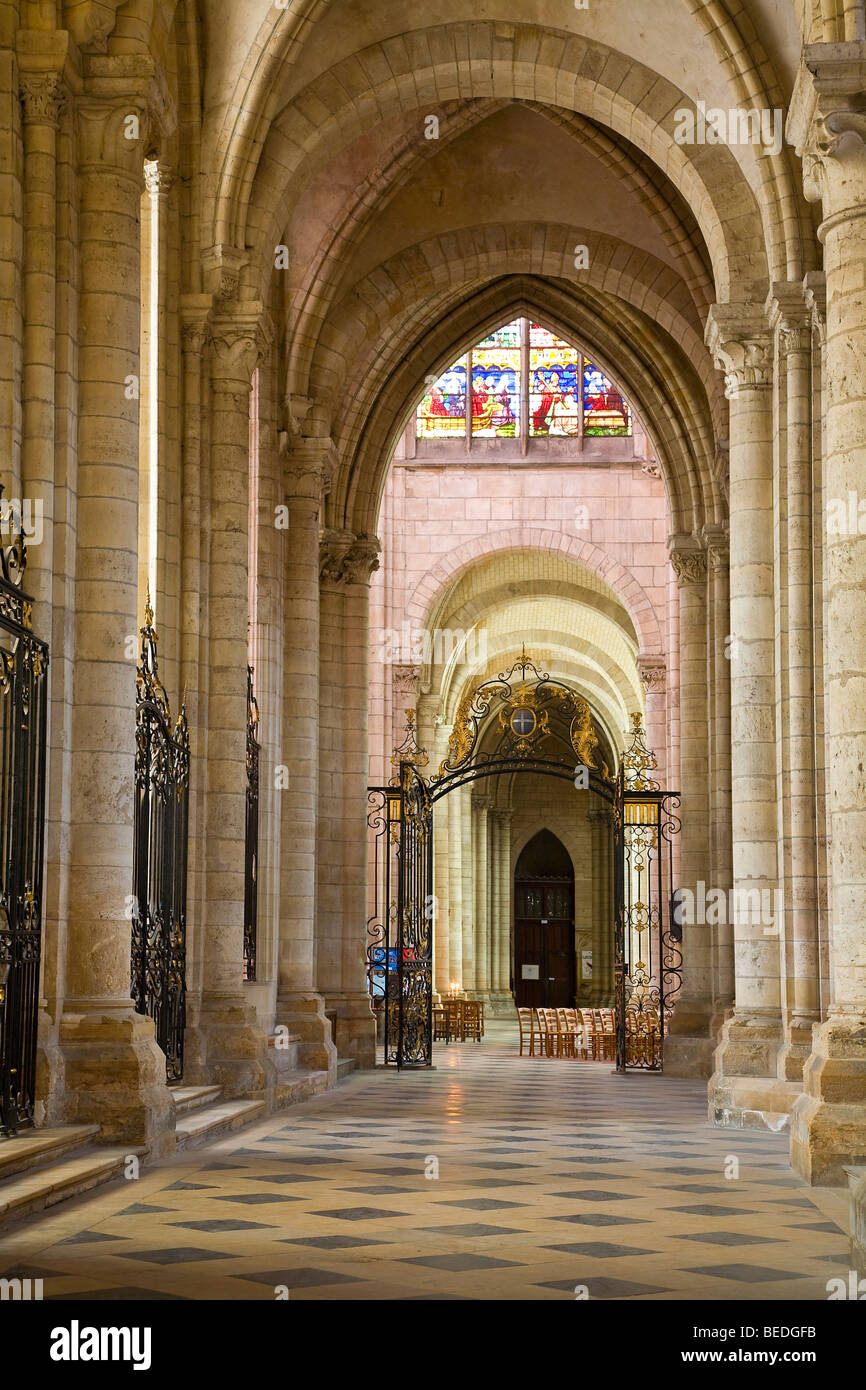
[{"x": 544, "y": 962}]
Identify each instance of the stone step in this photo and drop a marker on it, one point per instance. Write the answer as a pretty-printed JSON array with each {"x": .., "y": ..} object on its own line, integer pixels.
[
  {"x": 345, "y": 1067},
  {"x": 283, "y": 1051},
  {"x": 190, "y": 1098},
  {"x": 28, "y": 1195},
  {"x": 32, "y": 1149},
  {"x": 293, "y": 1086},
  {"x": 203, "y": 1126}
]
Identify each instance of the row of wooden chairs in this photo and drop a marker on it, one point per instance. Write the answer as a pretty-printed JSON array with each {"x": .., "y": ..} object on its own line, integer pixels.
[
  {"x": 581, "y": 1033},
  {"x": 455, "y": 1020}
]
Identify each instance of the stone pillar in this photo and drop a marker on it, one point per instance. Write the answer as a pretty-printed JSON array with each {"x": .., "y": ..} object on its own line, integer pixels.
[
  {"x": 481, "y": 864},
  {"x": 502, "y": 979},
  {"x": 115, "y": 1073},
  {"x": 456, "y": 906},
  {"x": 230, "y": 1048},
  {"x": 43, "y": 100},
  {"x": 307, "y": 472},
  {"x": 597, "y": 828},
  {"x": 827, "y": 124},
  {"x": 470, "y": 927},
  {"x": 793, "y": 320},
  {"x": 346, "y": 562},
  {"x": 689, "y": 1045},
  {"x": 721, "y": 933},
  {"x": 743, "y": 1089}
]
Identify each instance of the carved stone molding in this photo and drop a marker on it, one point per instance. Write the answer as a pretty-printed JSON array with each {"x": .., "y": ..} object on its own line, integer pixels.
[
  {"x": 405, "y": 680},
  {"x": 689, "y": 559},
  {"x": 90, "y": 22},
  {"x": 827, "y": 125},
  {"x": 115, "y": 132},
  {"x": 238, "y": 342},
  {"x": 741, "y": 345},
  {"x": 788, "y": 312},
  {"x": 653, "y": 673},
  {"x": 223, "y": 268},
  {"x": 43, "y": 98},
  {"x": 346, "y": 558},
  {"x": 308, "y": 467},
  {"x": 717, "y": 541},
  {"x": 815, "y": 295}
]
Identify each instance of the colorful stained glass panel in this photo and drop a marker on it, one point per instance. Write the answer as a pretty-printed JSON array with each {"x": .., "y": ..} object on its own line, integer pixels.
[
  {"x": 605, "y": 409},
  {"x": 496, "y": 392},
  {"x": 554, "y": 405},
  {"x": 442, "y": 412}
]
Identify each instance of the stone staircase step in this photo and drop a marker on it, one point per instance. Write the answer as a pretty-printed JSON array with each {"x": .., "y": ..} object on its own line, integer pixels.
[
  {"x": 345, "y": 1067},
  {"x": 27, "y": 1195},
  {"x": 190, "y": 1098},
  {"x": 32, "y": 1149},
  {"x": 203, "y": 1126},
  {"x": 293, "y": 1086}
]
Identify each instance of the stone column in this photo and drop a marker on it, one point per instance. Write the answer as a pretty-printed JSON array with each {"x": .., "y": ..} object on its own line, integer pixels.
[
  {"x": 456, "y": 906},
  {"x": 470, "y": 925},
  {"x": 828, "y": 126},
  {"x": 502, "y": 923},
  {"x": 607, "y": 909},
  {"x": 721, "y": 933},
  {"x": 43, "y": 100},
  {"x": 231, "y": 1049},
  {"x": 308, "y": 467},
  {"x": 115, "y": 1073},
  {"x": 596, "y": 824},
  {"x": 481, "y": 864},
  {"x": 347, "y": 561},
  {"x": 793, "y": 320},
  {"x": 653, "y": 674},
  {"x": 689, "y": 1045},
  {"x": 743, "y": 1088}
]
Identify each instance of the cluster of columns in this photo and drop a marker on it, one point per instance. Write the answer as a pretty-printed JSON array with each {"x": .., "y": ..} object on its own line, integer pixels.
[{"x": 474, "y": 887}]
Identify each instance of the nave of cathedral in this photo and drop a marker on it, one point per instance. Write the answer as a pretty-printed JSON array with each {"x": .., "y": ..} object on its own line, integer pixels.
[{"x": 432, "y": 647}]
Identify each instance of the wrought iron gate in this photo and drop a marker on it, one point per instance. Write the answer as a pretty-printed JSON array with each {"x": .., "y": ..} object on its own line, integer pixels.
[
  {"x": 647, "y": 956},
  {"x": 23, "y": 707},
  {"x": 400, "y": 927},
  {"x": 251, "y": 837},
  {"x": 160, "y": 857}
]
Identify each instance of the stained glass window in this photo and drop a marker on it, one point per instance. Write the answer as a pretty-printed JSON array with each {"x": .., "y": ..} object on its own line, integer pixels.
[
  {"x": 554, "y": 389},
  {"x": 522, "y": 381},
  {"x": 605, "y": 409},
  {"x": 442, "y": 413}
]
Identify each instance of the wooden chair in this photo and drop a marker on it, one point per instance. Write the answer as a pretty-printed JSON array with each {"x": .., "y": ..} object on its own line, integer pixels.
[
  {"x": 455, "y": 1020},
  {"x": 473, "y": 1020},
  {"x": 548, "y": 1026},
  {"x": 568, "y": 1026},
  {"x": 528, "y": 1025},
  {"x": 590, "y": 1029},
  {"x": 440, "y": 1025}
]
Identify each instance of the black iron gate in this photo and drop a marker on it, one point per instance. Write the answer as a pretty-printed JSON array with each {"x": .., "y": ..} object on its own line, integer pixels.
[
  {"x": 647, "y": 956},
  {"x": 400, "y": 927},
  {"x": 23, "y": 708},
  {"x": 160, "y": 857},
  {"x": 251, "y": 837}
]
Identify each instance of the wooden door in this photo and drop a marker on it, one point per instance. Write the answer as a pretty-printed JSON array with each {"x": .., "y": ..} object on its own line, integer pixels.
[{"x": 544, "y": 963}]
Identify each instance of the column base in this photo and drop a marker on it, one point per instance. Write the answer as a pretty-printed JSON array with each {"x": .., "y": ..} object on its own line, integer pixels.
[
  {"x": 499, "y": 1004},
  {"x": 692, "y": 1041},
  {"x": 225, "y": 1046},
  {"x": 303, "y": 1013},
  {"x": 828, "y": 1121},
  {"x": 114, "y": 1076},
  {"x": 858, "y": 1223},
  {"x": 745, "y": 1090},
  {"x": 356, "y": 1027},
  {"x": 53, "y": 1101}
]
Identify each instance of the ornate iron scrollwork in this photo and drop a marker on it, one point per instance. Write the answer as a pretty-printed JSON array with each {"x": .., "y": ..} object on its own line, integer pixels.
[
  {"x": 251, "y": 835},
  {"x": 648, "y": 962},
  {"x": 160, "y": 844},
  {"x": 23, "y": 710}
]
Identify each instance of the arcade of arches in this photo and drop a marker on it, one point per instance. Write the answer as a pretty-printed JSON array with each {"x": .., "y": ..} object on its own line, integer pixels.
[{"x": 379, "y": 345}]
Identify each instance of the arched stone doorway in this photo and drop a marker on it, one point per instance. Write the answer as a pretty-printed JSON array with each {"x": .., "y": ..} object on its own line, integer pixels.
[{"x": 544, "y": 951}]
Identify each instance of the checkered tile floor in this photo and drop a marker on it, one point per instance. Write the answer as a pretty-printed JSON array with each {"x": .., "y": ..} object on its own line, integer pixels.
[{"x": 493, "y": 1177}]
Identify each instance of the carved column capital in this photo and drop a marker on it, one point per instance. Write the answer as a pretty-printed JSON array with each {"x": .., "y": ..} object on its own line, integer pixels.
[
  {"x": 788, "y": 312},
  {"x": 238, "y": 342},
  {"x": 717, "y": 541},
  {"x": 125, "y": 109},
  {"x": 827, "y": 126},
  {"x": 347, "y": 558},
  {"x": 741, "y": 345},
  {"x": 653, "y": 673},
  {"x": 405, "y": 679},
  {"x": 815, "y": 295},
  {"x": 43, "y": 98},
  {"x": 308, "y": 467},
  {"x": 223, "y": 268},
  {"x": 689, "y": 559}
]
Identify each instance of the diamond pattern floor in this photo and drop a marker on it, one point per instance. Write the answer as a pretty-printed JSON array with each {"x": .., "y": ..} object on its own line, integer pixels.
[{"x": 550, "y": 1175}]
